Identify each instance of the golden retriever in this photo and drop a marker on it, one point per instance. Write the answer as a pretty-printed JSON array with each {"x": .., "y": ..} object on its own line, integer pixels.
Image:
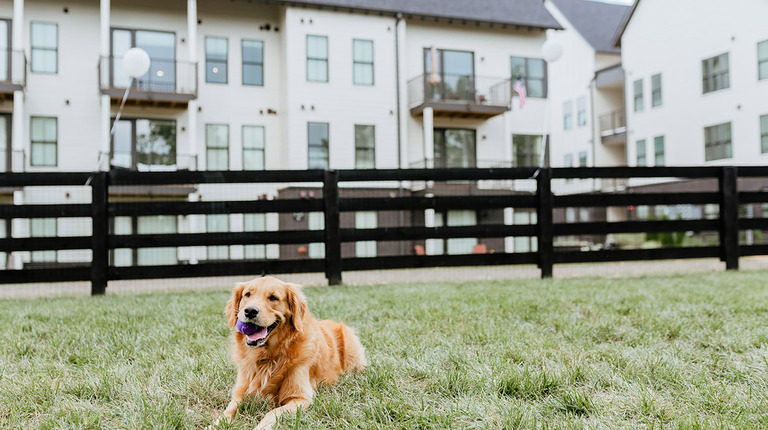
[{"x": 290, "y": 352}]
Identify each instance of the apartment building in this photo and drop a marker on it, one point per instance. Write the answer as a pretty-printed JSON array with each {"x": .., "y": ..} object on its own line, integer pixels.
[{"x": 258, "y": 85}]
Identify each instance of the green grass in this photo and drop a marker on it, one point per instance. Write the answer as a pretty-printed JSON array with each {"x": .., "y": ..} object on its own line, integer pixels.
[{"x": 681, "y": 352}]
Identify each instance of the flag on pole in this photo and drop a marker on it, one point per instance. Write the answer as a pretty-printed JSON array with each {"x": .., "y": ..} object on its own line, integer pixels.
[{"x": 519, "y": 88}]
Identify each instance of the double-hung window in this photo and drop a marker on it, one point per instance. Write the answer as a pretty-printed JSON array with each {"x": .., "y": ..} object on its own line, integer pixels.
[
  {"x": 581, "y": 112},
  {"x": 44, "y": 41},
  {"x": 639, "y": 101},
  {"x": 317, "y": 58},
  {"x": 253, "y": 62},
  {"x": 717, "y": 142},
  {"x": 567, "y": 115},
  {"x": 533, "y": 73},
  {"x": 764, "y": 134},
  {"x": 362, "y": 62},
  {"x": 526, "y": 151},
  {"x": 216, "y": 49},
  {"x": 762, "y": 60},
  {"x": 455, "y": 147},
  {"x": 365, "y": 148},
  {"x": 253, "y": 147},
  {"x": 44, "y": 141},
  {"x": 658, "y": 150},
  {"x": 640, "y": 153},
  {"x": 317, "y": 137},
  {"x": 217, "y": 146},
  {"x": 656, "y": 90},
  {"x": 715, "y": 73}
]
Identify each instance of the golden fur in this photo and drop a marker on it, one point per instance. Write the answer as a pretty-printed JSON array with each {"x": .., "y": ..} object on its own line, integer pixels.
[{"x": 298, "y": 353}]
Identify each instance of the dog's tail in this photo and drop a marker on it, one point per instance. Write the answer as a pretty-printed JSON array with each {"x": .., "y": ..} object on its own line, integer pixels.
[{"x": 353, "y": 357}]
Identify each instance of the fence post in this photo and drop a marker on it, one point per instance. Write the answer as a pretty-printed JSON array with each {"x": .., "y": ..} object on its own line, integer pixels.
[
  {"x": 729, "y": 217},
  {"x": 332, "y": 226},
  {"x": 544, "y": 216},
  {"x": 99, "y": 233}
]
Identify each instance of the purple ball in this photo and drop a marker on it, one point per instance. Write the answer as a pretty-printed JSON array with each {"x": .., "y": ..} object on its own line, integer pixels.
[{"x": 246, "y": 328}]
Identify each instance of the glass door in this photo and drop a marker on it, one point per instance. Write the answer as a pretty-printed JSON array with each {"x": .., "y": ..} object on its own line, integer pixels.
[{"x": 161, "y": 47}]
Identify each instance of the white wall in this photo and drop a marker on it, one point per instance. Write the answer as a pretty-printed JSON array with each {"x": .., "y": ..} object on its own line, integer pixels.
[{"x": 672, "y": 38}]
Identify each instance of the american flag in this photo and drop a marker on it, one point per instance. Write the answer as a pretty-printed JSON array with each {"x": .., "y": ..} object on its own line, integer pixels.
[{"x": 519, "y": 88}]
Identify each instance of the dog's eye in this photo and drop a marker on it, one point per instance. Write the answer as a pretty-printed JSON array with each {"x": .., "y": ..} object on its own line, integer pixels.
[
  {"x": 248, "y": 294},
  {"x": 273, "y": 298}
]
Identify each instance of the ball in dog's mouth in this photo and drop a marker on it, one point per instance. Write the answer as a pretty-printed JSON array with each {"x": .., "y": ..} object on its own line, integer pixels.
[{"x": 255, "y": 335}]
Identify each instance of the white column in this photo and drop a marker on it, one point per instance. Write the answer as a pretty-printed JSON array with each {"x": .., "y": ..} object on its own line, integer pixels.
[
  {"x": 106, "y": 103},
  {"x": 18, "y": 140},
  {"x": 190, "y": 148},
  {"x": 429, "y": 137},
  {"x": 403, "y": 91}
]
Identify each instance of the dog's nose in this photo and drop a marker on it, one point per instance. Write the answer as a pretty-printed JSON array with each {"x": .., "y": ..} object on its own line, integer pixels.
[{"x": 251, "y": 312}]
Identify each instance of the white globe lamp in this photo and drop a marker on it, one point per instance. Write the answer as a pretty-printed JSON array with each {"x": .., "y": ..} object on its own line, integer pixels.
[
  {"x": 551, "y": 51},
  {"x": 136, "y": 62}
]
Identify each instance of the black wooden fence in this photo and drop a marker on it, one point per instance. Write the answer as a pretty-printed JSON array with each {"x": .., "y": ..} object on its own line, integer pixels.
[{"x": 99, "y": 271}]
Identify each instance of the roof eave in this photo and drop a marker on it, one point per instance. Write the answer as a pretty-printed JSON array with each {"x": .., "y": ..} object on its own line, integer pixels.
[{"x": 620, "y": 33}]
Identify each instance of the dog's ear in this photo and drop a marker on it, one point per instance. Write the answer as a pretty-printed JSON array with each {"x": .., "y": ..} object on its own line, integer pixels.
[
  {"x": 233, "y": 305},
  {"x": 297, "y": 304}
]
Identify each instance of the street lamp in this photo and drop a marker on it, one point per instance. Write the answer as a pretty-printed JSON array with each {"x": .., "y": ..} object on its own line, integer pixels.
[{"x": 551, "y": 50}]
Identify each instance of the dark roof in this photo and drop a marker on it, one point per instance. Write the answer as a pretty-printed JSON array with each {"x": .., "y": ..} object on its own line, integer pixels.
[
  {"x": 620, "y": 32},
  {"x": 596, "y": 21},
  {"x": 524, "y": 13}
]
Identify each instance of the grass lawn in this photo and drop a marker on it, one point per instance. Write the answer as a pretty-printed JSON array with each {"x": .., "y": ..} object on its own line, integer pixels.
[{"x": 653, "y": 352}]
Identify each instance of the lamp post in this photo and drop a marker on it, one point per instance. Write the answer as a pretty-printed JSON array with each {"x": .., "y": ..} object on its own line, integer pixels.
[
  {"x": 551, "y": 51},
  {"x": 135, "y": 63}
]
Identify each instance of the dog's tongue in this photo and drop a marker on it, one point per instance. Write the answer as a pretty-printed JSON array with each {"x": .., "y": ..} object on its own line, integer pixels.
[{"x": 261, "y": 334}]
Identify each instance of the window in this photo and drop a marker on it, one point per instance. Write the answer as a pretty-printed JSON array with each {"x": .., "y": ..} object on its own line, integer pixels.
[
  {"x": 568, "y": 161},
  {"x": 255, "y": 222},
  {"x": 639, "y": 102},
  {"x": 658, "y": 150},
  {"x": 762, "y": 60},
  {"x": 317, "y": 59},
  {"x": 454, "y": 147},
  {"x": 365, "y": 149},
  {"x": 43, "y": 227},
  {"x": 157, "y": 224},
  {"x": 583, "y": 159},
  {"x": 715, "y": 72},
  {"x": 5, "y": 144},
  {"x": 217, "y": 146},
  {"x": 449, "y": 75},
  {"x": 656, "y": 90},
  {"x": 362, "y": 62},
  {"x": 717, "y": 142},
  {"x": 364, "y": 220},
  {"x": 44, "y": 41},
  {"x": 253, "y": 147},
  {"x": 526, "y": 150},
  {"x": 161, "y": 47},
  {"x": 217, "y": 224},
  {"x": 641, "y": 153},
  {"x": 764, "y": 134},
  {"x": 581, "y": 111},
  {"x": 144, "y": 144},
  {"x": 533, "y": 73},
  {"x": 216, "y": 59},
  {"x": 524, "y": 243},
  {"x": 253, "y": 62},
  {"x": 316, "y": 221},
  {"x": 44, "y": 137},
  {"x": 567, "y": 115},
  {"x": 456, "y": 218},
  {"x": 317, "y": 133}
]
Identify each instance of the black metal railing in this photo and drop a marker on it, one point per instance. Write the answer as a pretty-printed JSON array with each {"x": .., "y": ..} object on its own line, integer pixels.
[
  {"x": 334, "y": 198},
  {"x": 613, "y": 123},
  {"x": 168, "y": 76},
  {"x": 466, "y": 89}
]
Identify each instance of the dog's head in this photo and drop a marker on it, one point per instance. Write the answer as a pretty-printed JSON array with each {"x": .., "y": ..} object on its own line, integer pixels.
[{"x": 268, "y": 303}]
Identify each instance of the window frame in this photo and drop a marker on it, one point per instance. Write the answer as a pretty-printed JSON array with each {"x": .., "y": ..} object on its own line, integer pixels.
[
  {"x": 442, "y": 162},
  {"x": 526, "y": 76},
  {"x": 710, "y": 77},
  {"x": 581, "y": 111},
  {"x": 33, "y": 142},
  {"x": 256, "y": 149},
  {"x": 638, "y": 96},
  {"x": 641, "y": 157},
  {"x": 251, "y": 62},
  {"x": 326, "y": 145},
  {"x": 33, "y": 48},
  {"x": 762, "y": 63},
  {"x": 356, "y": 62},
  {"x": 370, "y": 149},
  {"x": 324, "y": 60},
  {"x": 568, "y": 115},
  {"x": 534, "y": 157},
  {"x": 656, "y": 90},
  {"x": 714, "y": 143},
  {"x": 134, "y": 142},
  {"x": 659, "y": 155},
  {"x": 764, "y": 134},
  {"x": 209, "y": 60},
  {"x": 149, "y": 84},
  {"x": 211, "y": 149}
]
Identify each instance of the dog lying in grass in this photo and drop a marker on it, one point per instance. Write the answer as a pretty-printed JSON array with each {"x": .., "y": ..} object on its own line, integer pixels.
[{"x": 281, "y": 351}]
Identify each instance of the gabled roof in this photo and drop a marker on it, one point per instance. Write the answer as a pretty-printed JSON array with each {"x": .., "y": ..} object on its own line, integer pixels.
[
  {"x": 595, "y": 21},
  {"x": 523, "y": 13},
  {"x": 617, "y": 37}
]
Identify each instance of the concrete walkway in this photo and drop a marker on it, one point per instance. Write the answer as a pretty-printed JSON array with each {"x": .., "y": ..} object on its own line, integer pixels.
[{"x": 453, "y": 274}]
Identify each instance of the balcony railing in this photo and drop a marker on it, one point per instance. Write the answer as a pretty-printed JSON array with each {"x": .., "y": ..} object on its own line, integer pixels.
[
  {"x": 613, "y": 125},
  {"x": 169, "y": 81},
  {"x": 13, "y": 71},
  {"x": 459, "y": 95},
  {"x": 148, "y": 162}
]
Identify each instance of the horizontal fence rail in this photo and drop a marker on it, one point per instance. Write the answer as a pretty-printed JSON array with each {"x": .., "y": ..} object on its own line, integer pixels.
[{"x": 337, "y": 195}]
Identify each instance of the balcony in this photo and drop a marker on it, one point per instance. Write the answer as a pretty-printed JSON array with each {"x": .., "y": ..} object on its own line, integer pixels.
[
  {"x": 461, "y": 96},
  {"x": 613, "y": 128},
  {"x": 13, "y": 72},
  {"x": 169, "y": 83}
]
